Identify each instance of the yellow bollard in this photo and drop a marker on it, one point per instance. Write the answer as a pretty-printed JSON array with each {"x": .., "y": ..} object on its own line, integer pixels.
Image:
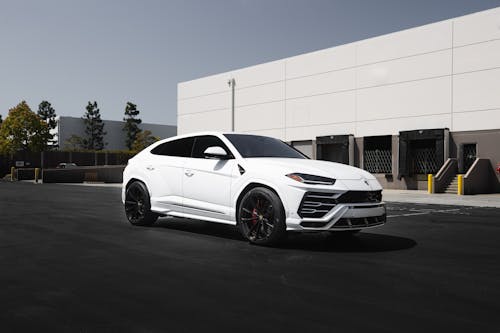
[
  {"x": 430, "y": 180},
  {"x": 12, "y": 170},
  {"x": 460, "y": 189},
  {"x": 37, "y": 174}
]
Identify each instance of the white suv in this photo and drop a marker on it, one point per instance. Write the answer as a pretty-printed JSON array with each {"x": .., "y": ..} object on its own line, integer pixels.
[{"x": 259, "y": 183}]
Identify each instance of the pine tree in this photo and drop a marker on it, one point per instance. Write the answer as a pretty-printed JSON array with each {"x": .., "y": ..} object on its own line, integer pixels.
[
  {"x": 131, "y": 124},
  {"x": 144, "y": 139},
  {"x": 48, "y": 114},
  {"x": 94, "y": 128}
]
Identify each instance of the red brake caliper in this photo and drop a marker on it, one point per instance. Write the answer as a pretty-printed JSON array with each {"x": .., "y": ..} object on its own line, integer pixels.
[{"x": 255, "y": 217}]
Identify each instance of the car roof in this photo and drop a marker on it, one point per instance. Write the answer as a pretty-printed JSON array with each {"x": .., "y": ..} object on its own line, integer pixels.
[
  {"x": 193, "y": 134},
  {"x": 216, "y": 133}
]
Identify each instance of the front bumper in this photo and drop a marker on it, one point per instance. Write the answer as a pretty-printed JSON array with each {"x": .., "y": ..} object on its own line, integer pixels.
[
  {"x": 339, "y": 216},
  {"x": 342, "y": 217}
]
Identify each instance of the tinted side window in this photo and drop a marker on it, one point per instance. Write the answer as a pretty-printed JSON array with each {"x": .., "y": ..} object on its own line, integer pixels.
[
  {"x": 249, "y": 145},
  {"x": 180, "y": 148},
  {"x": 201, "y": 143}
]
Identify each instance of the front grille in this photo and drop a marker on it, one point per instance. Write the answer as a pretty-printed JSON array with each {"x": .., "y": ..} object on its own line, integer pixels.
[
  {"x": 318, "y": 204},
  {"x": 360, "y": 197},
  {"x": 360, "y": 222}
]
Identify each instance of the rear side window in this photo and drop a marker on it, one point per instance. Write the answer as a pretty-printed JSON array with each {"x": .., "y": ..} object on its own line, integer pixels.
[
  {"x": 201, "y": 143},
  {"x": 180, "y": 148}
]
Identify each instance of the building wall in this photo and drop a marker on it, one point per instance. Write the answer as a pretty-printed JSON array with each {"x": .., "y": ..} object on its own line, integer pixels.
[
  {"x": 441, "y": 75},
  {"x": 115, "y": 136},
  {"x": 487, "y": 146}
]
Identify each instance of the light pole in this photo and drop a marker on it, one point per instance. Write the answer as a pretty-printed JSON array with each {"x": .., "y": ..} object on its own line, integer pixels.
[{"x": 231, "y": 82}]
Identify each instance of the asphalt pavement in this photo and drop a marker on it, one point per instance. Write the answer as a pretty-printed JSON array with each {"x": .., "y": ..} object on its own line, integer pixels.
[{"x": 70, "y": 262}]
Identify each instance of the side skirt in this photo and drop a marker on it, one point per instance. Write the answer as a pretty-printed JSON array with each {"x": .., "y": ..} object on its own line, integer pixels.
[{"x": 198, "y": 217}]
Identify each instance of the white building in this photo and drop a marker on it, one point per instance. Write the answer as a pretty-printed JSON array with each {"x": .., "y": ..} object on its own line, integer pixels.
[{"x": 398, "y": 105}]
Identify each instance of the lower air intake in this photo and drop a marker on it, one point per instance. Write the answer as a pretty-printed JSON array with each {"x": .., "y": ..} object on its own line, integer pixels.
[{"x": 361, "y": 222}]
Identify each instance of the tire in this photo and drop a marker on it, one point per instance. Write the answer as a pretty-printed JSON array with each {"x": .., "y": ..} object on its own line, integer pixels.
[
  {"x": 261, "y": 217},
  {"x": 138, "y": 205}
]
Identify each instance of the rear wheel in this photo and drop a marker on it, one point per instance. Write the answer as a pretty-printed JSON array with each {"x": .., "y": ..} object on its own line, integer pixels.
[
  {"x": 261, "y": 217},
  {"x": 138, "y": 205}
]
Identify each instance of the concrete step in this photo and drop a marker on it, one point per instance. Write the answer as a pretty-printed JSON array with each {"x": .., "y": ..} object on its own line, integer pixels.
[{"x": 452, "y": 187}]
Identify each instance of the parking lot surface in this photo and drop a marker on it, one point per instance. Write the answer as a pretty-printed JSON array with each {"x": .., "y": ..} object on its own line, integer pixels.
[{"x": 70, "y": 262}]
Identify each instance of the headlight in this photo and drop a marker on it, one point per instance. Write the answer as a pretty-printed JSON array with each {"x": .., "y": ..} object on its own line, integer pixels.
[{"x": 310, "y": 179}]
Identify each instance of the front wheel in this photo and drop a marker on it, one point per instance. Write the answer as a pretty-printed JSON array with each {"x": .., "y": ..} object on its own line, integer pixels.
[
  {"x": 261, "y": 217},
  {"x": 138, "y": 205}
]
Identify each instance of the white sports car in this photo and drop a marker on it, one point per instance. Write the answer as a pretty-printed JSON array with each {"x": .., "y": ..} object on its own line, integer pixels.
[{"x": 258, "y": 183}]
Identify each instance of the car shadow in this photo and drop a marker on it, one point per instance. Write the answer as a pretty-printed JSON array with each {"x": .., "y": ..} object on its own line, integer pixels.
[
  {"x": 200, "y": 227},
  {"x": 363, "y": 241}
]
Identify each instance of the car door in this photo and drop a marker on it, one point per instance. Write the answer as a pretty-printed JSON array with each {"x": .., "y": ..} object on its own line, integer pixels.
[
  {"x": 207, "y": 182},
  {"x": 165, "y": 170}
]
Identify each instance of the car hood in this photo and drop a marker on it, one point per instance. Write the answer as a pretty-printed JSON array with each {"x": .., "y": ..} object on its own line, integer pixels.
[{"x": 313, "y": 167}]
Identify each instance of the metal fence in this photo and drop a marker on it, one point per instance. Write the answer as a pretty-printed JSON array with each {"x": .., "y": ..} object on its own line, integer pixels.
[
  {"x": 50, "y": 159},
  {"x": 378, "y": 161},
  {"x": 424, "y": 161},
  {"x": 469, "y": 156}
]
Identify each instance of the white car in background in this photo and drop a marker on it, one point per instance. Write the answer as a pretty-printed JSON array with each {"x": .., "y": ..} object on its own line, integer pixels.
[{"x": 258, "y": 183}]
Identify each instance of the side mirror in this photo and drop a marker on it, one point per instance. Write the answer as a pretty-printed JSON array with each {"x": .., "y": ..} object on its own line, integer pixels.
[{"x": 215, "y": 152}]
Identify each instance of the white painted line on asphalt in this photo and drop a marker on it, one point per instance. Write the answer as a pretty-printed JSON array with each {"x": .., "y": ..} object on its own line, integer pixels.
[
  {"x": 411, "y": 214},
  {"x": 427, "y": 212}
]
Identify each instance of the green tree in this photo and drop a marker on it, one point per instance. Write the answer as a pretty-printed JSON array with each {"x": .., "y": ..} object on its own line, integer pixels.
[
  {"x": 23, "y": 130},
  {"x": 48, "y": 114},
  {"x": 143, "y": 140},
  {"x": 1, "y": 120},
  {"x": 74, "y": 142},
  {"x": 131, "y": 126},
  {"x": 94, "y": 128}
]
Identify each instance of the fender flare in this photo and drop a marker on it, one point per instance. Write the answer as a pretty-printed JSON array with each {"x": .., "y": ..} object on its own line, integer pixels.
[
  {"x": 137, "y": 178},
  {"x": 258, "y": 181}
]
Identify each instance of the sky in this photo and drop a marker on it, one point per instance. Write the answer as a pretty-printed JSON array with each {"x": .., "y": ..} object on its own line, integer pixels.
[{"x": 112, "y": 51}]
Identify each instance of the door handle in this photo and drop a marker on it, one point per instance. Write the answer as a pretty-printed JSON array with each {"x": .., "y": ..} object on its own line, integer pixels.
[
  {"x": 188, "y": 173},
  {"x": 150, "y": 168}
]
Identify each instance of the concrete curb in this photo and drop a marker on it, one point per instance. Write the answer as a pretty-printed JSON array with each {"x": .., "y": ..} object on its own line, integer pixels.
[{"x": 422, "y": 197}]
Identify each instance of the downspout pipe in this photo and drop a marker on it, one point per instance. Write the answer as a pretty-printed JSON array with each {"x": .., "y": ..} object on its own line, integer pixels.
[{"x": 232, "y": 83}]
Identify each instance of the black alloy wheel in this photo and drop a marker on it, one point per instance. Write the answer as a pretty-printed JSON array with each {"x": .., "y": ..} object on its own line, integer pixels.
[
  {"x": 261, "y": 217},
  {"x": 138, "y": 205}
]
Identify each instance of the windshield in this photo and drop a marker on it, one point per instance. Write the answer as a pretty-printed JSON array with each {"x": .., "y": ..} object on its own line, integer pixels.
[{"x": 262, "y": 146}]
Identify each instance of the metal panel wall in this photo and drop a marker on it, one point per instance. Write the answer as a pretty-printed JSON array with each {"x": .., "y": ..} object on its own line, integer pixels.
[{"x": 441, "y": 75}]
